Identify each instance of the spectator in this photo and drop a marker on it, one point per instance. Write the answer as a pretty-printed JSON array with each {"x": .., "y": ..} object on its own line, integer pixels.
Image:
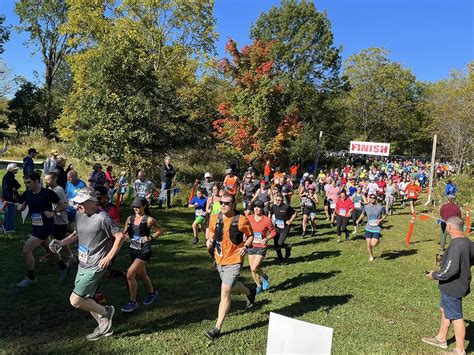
[
  {"x": 50, "y": 163},
  {"x": 28, "y": 164},
  {"x": 10, "y": 187},
  {"x": 167, "y": 174}
]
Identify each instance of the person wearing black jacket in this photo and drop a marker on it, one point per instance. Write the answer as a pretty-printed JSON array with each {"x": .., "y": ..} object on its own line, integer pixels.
[
  {"x": 167, "y": 174},
  {"x": 283, "y": 216},
  {"x": 61, "y": 174},
  {"x": 10, "y": 187},
  {"x": 28, "y": 163},
  {"x": 454, "y": 279}
]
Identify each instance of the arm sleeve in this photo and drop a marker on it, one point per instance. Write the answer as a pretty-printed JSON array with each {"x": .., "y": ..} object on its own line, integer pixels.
[
  {"x": 271, "y": 229},
  {"x": 110, "y": 227},
  {"x": 450, "y": 267}
]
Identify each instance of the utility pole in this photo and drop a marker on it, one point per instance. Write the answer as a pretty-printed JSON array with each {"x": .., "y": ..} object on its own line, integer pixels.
[
  {"x": 318, "y": 148},
  {"x": 433, "y": 157}
]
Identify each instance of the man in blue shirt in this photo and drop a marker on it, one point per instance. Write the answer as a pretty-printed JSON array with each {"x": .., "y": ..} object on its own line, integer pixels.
[
  {"x": 73, "y": 185},
  {"x": 199, "y": 203},
  {"x": 28, "y": 164}
]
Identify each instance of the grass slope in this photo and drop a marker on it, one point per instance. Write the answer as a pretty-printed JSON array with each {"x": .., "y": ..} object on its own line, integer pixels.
[{"x": 384, "y": 306}]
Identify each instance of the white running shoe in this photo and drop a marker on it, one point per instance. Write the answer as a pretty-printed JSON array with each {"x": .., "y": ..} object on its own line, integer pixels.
[{"x": 371, "y": 258}]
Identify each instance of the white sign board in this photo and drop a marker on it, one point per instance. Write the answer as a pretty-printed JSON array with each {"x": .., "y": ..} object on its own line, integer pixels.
[
  {"x": 291, "y": 336},
  {"x": 371, "y": 148}
]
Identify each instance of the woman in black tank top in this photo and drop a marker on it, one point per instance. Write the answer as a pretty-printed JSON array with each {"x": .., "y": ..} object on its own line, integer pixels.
[{"x": 139, "y": 228}]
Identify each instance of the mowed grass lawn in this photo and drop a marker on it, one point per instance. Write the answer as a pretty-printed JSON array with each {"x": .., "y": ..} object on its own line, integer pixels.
[{"x": 374, "y": 307}]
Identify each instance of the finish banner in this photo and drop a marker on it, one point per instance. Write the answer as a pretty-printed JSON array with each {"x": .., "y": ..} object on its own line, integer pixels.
[{"x": 370, "y": 148}]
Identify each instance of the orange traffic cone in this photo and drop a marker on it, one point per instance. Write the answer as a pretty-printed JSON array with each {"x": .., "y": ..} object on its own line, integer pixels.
[{"x": 410, "y": 228}]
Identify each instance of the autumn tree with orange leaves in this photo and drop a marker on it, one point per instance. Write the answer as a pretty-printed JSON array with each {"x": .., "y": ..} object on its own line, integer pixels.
[{"x": 254, "y": 123}]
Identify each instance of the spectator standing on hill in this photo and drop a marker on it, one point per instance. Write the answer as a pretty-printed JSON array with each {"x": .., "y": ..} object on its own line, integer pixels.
[
  {"x": 61, "y": 174},
  {"x": 142, "y": 186},
  {"x": 28, "y": 164},
  {"x": 50, "y": 163},
  {"x": 167, "y": 174},
  {"x": 454, "y": 279},
  {"x": 97, "y": 177},
  {"x": 10, "y": 187},
  {"x": 447, "y": 210}
]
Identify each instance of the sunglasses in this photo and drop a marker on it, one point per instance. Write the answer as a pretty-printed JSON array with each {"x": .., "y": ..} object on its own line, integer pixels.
[{"x": 226, "y": 203}]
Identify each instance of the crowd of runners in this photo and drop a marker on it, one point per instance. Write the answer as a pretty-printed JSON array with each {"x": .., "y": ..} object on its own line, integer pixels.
[{"x": 79, "y": 212}]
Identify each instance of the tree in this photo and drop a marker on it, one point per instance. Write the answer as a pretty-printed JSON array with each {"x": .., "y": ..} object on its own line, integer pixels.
[
  {"x": 254, "y": 122},
  {"x": 450, "y": 104},
  {"x": 43, "y": 20},
  {"x": 307, "y": 63},
  {"x": 135, "y": 83},
  {"x": 4, "y": 33},
  {"x": 383, "y": 100},
  {"x": 25, "y": 108}
]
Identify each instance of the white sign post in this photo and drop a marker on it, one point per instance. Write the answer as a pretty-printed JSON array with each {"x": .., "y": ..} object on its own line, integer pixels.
[
  {"x": 370, "y": 148},
  {"x": 291, "y": 336}
]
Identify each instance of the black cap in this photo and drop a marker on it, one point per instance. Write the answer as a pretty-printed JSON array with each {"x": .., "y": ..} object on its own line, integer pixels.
[
  {"x": 139, "y": 202},
  {"x": 258, "y": 203},
  {"x": 100, "y": 191}
]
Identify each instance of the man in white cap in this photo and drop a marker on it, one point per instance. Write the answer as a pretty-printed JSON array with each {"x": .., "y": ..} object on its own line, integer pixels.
[
  {"x": 10, "y": 187},
  {"x": 207, "y": 184},
  {"x": 99, "y": 239},
  {"x": 50, "y": 163}
]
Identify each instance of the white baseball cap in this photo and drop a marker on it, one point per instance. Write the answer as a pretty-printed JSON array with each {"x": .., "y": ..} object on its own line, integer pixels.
[
  {"x": 84, "y": 195},
  {"x": 206, "y": 175},
  {"x": 12, "y": 166}
]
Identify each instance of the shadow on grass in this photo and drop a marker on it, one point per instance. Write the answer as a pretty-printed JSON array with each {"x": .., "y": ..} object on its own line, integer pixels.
[
  {"x": 423, "y": 241},
  {"x": 395, "y": 254},
  {"x": 469, "y": 336},
  {"x": 303, "y": 278},
  {"x": 311, "y": 240},
  {"x": 316, "y": 255},
  {"x": 305, "y": 305}
]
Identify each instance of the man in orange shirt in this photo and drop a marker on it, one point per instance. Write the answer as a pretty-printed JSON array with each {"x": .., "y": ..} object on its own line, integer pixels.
[
  {"x": 226, "y": 238},
  {"x": 412, "y": 191},
  {"x": 231, "y": 182},
  {"x": 267, "y": 171}
]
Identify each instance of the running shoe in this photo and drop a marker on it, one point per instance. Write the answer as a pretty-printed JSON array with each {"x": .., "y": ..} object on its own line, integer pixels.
[
  {"x": 213, "y": 334},
  {"x": 303, "y": 234},
  {"x": 434, "y": 341},
  {"x": 338, "y": 240},
  {"x": 354, "y": 232},
  {"x": 25, "y": 282},
  {"x": 150, "y": 298},
  {"x": 95, "y": 335},
  {"x": 265, "y": 283},
  {"x": 313, "y": 232},
  {"x": 288, "y": 251},
  {"x": 105, "y": 322},
  {"x": 371, "y": 258},
  {"x": 251, "y": 297},
  {"x": 348, "y": 239},
  {"x": 130, "y": 307},
  {"x": 195, "y": 240}
]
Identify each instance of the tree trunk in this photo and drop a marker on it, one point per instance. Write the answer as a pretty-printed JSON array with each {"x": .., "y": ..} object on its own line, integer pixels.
[{"x": 49, "y": 98}]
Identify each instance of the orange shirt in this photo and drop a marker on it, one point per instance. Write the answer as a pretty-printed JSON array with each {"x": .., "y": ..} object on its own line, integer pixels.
[
  {"x": 267, "y": 170},
  {"x": 230, "y": 184},
  {"x": 412, "y": 191},
  {"x": 294, "y": 170},
  {"x": 229, "y": 254},
  {"x": 261, "y": 229},
  {"x": 278, "y": 176}
]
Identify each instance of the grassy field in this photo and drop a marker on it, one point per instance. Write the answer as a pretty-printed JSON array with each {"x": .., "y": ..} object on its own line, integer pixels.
[{"x": 374, "y": 307}]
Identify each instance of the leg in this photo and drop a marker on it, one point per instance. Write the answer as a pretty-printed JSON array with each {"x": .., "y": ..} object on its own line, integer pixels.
[
  {"x": 459, "y": 334},
  {"x": 338, "y": 226},
  {"x": 373, "y": 243},
  {"x": 344, "y": 222},
  {"x": 305, "y": 222},
  {"x": 255, "y": 261},
  {"x": 31, "y": 244},
  {"x": 162, "y": 194},
  {"x": 195, "y": 230},
  {"x": 88, "y": 305},
  {"x": 278, "y": 245},
  {"x": 168, "y": 196},
  {"x": 145, "y": 278},
  {"x": 132, "y": 272},
  {"x": 369, "y": 247},
  {"x": 443, "y": 327},
  {"x": 224, "y": 305}
]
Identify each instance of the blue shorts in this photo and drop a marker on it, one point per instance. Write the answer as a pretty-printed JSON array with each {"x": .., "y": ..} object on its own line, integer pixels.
[
  {"x": 374, "y": 235},
  {"x": 451, "y": 306}
]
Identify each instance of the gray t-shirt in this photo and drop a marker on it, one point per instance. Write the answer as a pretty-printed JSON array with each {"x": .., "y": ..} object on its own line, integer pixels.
[
  {"x": 143, "y": 188},
  {"x": 95, "y": 237},
  {"x": 373, "y": 213},
  {"x": 61, "y": 217}
]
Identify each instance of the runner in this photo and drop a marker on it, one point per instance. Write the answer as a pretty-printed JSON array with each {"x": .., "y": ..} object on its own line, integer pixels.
[
  {"x": 99, "y": 240},
  {"x": 143, "y": 187},
  {"x": 309, "y": 201},
  {"x": 359, "y": 200},
  {"x": 332, "y": 194},
  {"x": 207, "y": 184},
  {"x": 139, "y": 229},
  {"x": 247, "y": 189},
  {"x": 110, "y": 182},
  {"x": 390, "y": 191},
  {"x": 199, "y": 203},
  {"x": 40, "y": 203},
  {"x": 102, "y": 195},
  {"x": 412, "y": 191},
  {"x": 283, "y": 216},
  {"x": 226, "y": 239},
  {"x": 342, "y": 212},
  {"x": 60, "y": 217},
  {"x": 267, "y": 171},
  {"x": 375, "y": 216},
  {"x": 263, "y": 194},
  {"x": 231, "y": 182},
  {"x": 263, "y": 231},
  {"x": 123, "y": 185},
  {"x": 401, "y": 191}
]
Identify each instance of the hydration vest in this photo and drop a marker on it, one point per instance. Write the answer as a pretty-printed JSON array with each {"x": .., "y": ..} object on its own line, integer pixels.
[
  {"x": 143, "y": 228},
  {"x": 235, "y": 235}
]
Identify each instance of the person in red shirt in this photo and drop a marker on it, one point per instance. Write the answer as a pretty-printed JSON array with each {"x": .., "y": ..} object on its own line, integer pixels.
[
  {"x": 231, "y": 182},
  {"x": 382, "y": 185},
  {"x": 342, "y": 212},
  {"x": 448, "y": 210},
  {"x": 263, "y": 231},
  {"x": 267, "y": 171},
  {"x": 412, "y": 191}
]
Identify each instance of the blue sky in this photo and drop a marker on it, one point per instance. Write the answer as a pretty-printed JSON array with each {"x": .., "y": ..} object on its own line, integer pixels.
[{"x": 431, "y": 37}]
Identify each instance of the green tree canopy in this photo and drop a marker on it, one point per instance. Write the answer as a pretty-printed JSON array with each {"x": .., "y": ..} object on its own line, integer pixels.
[{"x": 25, "y": 108}]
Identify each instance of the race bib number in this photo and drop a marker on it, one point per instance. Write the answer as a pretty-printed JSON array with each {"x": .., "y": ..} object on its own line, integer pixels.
[
  {"x": 200, "y": 213},
  {"x": 412, "y": 194},
  {"x": 230, "y": 187},
  {"x": 342, "y": 211},
  {"x": 36, "y": 219},
  {"x": 312, "y": 215},
  {"x": 373, "y": 223},
  {"x": 279, "y": 223},
  {"x": 309, "y": 203},
  {"x": 332, "y": 205},
  {"x": 257, "y": 237},
  {"x": 357, "y": 204},
  {"x": 83, "y": 253},
  {"x": 136, "y": 242}
]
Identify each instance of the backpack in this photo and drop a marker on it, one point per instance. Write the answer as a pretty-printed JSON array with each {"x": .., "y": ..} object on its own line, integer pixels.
[{"x": 235, "y": 235}]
